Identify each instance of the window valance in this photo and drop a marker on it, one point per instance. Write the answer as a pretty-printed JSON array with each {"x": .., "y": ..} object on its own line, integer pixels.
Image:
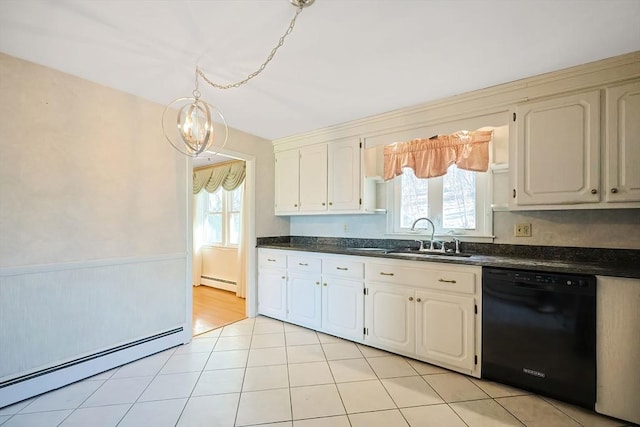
[
  {"x": 228, "y": 175},
  {"x": 432, "y": 157}
]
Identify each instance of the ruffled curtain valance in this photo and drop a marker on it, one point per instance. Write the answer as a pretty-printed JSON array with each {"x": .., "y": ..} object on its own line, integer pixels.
[
  {"x": 228, "y": 175},
  {"x": 432, "y": 157}
]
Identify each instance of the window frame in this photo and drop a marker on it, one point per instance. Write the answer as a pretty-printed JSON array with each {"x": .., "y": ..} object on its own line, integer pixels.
[
  {"x": 226, "y": 214},
  {"x": 484, "y": 212}
]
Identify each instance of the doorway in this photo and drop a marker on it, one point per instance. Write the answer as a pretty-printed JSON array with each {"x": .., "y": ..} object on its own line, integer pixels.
[{"x": 222, "y": 260}]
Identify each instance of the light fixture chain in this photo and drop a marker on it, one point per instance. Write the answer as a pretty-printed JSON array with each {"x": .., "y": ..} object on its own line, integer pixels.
[{"x": 262, "y": 66}]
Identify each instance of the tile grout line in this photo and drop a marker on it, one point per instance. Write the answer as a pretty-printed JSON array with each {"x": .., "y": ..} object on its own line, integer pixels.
[{"x": 199, "y": 376}]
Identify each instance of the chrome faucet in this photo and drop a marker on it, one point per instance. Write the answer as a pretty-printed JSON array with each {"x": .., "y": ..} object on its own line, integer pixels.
[{"x": 433, "y": 231}]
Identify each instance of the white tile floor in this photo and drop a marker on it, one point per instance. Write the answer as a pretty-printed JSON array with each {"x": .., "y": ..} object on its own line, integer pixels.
[{"x": 268, "y": 373}]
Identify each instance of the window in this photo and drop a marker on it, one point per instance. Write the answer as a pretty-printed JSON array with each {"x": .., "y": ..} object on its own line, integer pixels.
[
  {"x": 222, "y": 217},
  {"x": 455, "y": 202}
]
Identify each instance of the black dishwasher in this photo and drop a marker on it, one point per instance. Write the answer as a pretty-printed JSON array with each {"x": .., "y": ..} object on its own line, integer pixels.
[{"x": 539, "y": 332}]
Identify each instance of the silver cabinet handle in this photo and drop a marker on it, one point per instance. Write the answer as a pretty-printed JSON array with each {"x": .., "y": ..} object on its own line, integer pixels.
[
  {"x": 342, "y": 268},
  {"x": 271, "y": 260},
  {"x": 382, "y": 273},
  {"x": 284, "y": 277},
  {"x": 303, "y": 264},
  {"x": 324, "y": 284},
  {"x": 446, "y": 281},
  {"x": 317, "y": 283}
]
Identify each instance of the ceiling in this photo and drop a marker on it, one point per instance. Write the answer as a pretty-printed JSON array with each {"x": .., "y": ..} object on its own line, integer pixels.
[{"x": 345, "y": 59}]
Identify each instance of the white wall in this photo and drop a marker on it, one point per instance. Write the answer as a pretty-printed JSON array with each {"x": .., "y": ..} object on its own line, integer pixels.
[
  {"x": 220, "y": 263},
  {"x": 93, "y": 219}
]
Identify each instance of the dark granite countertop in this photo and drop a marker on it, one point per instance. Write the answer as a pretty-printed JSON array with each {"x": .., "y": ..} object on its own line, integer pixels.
[{"x": 549, "y": 259}]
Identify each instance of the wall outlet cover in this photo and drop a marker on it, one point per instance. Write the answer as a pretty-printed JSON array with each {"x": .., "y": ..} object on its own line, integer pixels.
[{"x": 522, "y": 230}]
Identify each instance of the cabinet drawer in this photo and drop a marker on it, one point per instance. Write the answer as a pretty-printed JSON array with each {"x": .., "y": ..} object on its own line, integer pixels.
[
  {"x": 425, "y": 276},
  {"x": 272, "y": 260},
  {"x": 451, "y": 281},
  {"x": 343, "y": 268},
  {"x": 395, "y": 274},
  {"x": 303, "y": 263}
]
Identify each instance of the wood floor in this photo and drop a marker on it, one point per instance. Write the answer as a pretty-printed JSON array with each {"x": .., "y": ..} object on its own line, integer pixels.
[{"x": 213, "y": 308}]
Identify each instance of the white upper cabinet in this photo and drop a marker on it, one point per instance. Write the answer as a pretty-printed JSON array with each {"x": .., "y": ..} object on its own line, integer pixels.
[
  {"x": 313, "y": 178},
  {"x": 344, "y": 175},
  {"x": 320, "y": 178},
  {"x": 623, "y": 143},
  {"x": 556, "y": 150},
  {"x": 287, "y": 181}
]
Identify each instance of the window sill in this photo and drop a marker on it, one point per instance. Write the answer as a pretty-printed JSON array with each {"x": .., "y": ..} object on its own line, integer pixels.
[{"x": 442, "y": 237}]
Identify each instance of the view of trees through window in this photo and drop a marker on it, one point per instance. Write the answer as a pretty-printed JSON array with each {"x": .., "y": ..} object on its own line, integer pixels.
[
  {"x": 222, "y": 217},
  {"x": 450, "y": 198}
]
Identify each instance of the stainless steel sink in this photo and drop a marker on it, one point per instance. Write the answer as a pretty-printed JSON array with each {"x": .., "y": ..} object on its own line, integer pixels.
[
  {"x": 428, "y": 254},
  {"x": 379, "y": 250}
]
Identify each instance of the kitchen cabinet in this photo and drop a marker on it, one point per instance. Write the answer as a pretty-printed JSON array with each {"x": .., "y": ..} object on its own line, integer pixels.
[
  {"x": 445, "y": 328},
  {"x": 320, "y": 179},
  {"x": 427, "y": 311},
  {"x": 558, "y": 159},
  {"x": 390, "y": 317},
  {"x": 622, "y": 143},
  {"x": 304, "y": 291},
  {"x": 342, "y": 297},
  {"x": 555, "y": 150},
  {"x": 272, "y": 289},
  {"x": 618, "y": 347},
  {"x": 324, "y": 293},
  {"x": 301, "y": 180},
  {"x": 344, "y": 175}
]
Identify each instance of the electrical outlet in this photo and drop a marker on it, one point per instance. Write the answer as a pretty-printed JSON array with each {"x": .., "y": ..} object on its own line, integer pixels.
[
  {"x": 345, "y": 227},
  {"x": 522, "y": 230}
]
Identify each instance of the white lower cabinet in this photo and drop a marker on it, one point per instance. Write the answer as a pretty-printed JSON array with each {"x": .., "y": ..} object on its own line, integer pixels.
[
  {"x": 390, "y": 317},
  {"x": 424, "y": 310},
  {"x": 342, "y": 307},
  {"x": 324, "y": 293},
  {"x": 445, "y": 328},
  {"x": 272, "y": 293},
  {"x": 304, "y": 300},
  {"x": 428, "y": 311}
]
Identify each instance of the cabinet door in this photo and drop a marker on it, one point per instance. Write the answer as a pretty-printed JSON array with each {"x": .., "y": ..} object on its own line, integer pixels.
[
  {"x": 287, "y": 181},
  {"x": 557, "y": 150},
  {"x": 390, "y": 317},
  {"x": 303, "y": 299},
  {"x": 343, "y": 307},
  {"x": 313, "y": 178},
  {"x": 272, "y": 293},
  {"x": 344, "y": 175},
  {"x": 445, "y": 329},
  {"x": 623, "y": 143}
]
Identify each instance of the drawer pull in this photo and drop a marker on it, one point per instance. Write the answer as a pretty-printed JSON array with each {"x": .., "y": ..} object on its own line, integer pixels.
[
  {"x": 271, "y": 260},
  {"x": 283, "y": 277},
  {"x": 324, "y": 284},
  {"x": 303, "y": 264},
  {"x": 317, "y": 283},
  {"x": 419, "y": 300},
  {"x": 410, "y": 298},
  {"x": 382, "y": 273},
  {"x": 446, "y": 281},
  {"x": 342, "y": 268}
]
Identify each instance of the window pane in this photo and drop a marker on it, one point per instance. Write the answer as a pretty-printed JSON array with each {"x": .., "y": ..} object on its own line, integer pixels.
[
  {"x": 459, "y": 199},
  {"x": 213, "y": 228},
  {"x": 215, "y": 201},
  {"x": 234, "y": 228},
  {"x": 236, "y": 200},
  {"x": 414, "y": 198}
]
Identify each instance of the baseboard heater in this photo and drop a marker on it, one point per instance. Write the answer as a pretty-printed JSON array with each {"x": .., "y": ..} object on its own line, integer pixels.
[
  {"x": 53, "y": 377},
  {"x": 216, "y": 282}
]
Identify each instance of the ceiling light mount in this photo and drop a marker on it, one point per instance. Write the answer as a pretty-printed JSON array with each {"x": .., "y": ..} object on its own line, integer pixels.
[
  {"x": 194, "y": 133},
  {"x": 302, "y": 3}
]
